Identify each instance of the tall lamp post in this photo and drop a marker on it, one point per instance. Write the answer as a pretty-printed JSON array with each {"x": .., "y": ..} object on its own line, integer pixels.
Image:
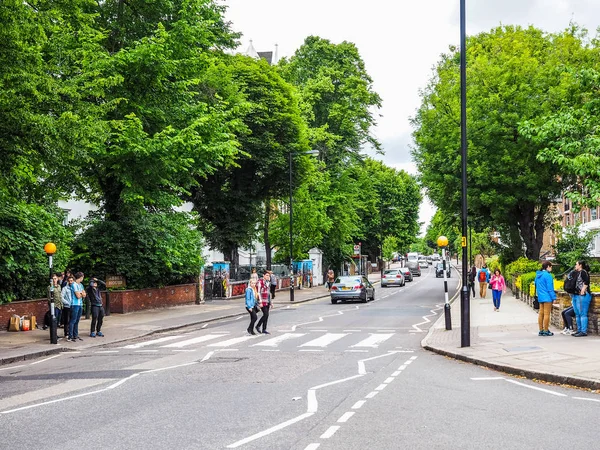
[
  {"x": 465, "y": 327},
  {"x": 50, "y": 249},
  {"x": 310, "y": 152},
  {"x": 442, "y": 242}
]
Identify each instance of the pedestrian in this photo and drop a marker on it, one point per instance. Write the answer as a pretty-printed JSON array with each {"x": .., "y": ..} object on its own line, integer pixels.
[
  {"x": 254, "y": 275},
  {"x": 67, "y": 295},
  {"x": 472, "y": 275},
  {"x": 567, "y": 315},
  {"x": 498, "y": 288},
  {"x": 58, "y": 304},
  {"x": 65, "y": 279},
  {"x": 273, "y": 284},
  {"x": 264, "y": 302},
  {"x": 251, "y": 305},
  {"x": 330, "y": 279},
  {"x": 581, "y": 301},
  {"x": 77, "y": 297},
  {"x": 95, "y": 299},
  {"x": 544, "y": 287},
  {"x": 483, "y": 276}
]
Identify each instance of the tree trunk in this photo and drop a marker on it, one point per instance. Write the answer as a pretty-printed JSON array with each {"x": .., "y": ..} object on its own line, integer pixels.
[
  {"x": 267, "y": 221},
  {"x": 531, "y": 223}
]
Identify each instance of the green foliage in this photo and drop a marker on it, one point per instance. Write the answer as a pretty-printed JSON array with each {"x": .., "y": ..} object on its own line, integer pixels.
[
  {"x": 520, "y": 266},
  {"x": 573, "y": 245},
  {"x": 24, "y": 230},
  {"x": 493, "y": 263},
  {"x": 420, "y": 246},
  {"x": 149, "y": 249},
  {"x": 391, "y": 245},
  {"x": 526, "y": 280},
  {"x": 512, "y": 75}
]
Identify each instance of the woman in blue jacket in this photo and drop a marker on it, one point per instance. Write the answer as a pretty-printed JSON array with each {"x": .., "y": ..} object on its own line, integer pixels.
[
  {"x": 251, "y": 304},
  {"x": 544, "y": 288}
]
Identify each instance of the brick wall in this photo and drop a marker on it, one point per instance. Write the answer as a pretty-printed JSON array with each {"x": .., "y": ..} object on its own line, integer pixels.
[
  {"x": 135, "y": 300},
  {"x": 35, "y": 308}
]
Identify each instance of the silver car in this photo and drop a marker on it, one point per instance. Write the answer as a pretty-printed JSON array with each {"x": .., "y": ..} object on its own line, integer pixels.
[
  {"x": 393, "y": 277},
  {"x": 356, "y": 287}
]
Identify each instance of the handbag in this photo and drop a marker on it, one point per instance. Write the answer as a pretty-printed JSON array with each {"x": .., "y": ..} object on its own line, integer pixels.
[
  {"x": 490, "y": 286},
  {"x": 536, "y": 304}
]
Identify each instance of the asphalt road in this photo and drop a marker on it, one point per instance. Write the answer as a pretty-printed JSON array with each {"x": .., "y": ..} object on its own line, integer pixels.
[{"x": 345, "y": 376}]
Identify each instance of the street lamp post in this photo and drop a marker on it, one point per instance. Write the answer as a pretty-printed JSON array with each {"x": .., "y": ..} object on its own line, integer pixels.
[
  {"x": 442, "y": 242},
  {"x": 465, "y": 327},
  {"x": 311, "y": 152},
  {"x": 50, "y": 250}
]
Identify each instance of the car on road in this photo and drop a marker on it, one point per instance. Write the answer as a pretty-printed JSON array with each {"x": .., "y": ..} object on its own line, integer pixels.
[
  {"x": 412, "y": 263},
  {"x": 408, "y": 276},
  {"x": 439, "y": 270},
  {"x": 356, "y": 287},
  {"x": 393, "y": 277},
  {"x": 423, "y": 262}
]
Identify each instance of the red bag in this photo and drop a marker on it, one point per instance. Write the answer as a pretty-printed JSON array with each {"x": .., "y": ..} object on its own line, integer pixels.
[{"x": 482, "y": 276}]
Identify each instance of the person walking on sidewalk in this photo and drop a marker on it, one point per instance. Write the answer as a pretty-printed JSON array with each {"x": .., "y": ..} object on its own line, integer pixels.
[
  {"x": 76, "y": 307},
  {"x": 93, "y": 293},
  {"x": 472, "y": 276},
  {"x": 273, "y": 284},
  {"x": 583, "y": 298},
  {"x": 251, "y": 306},
  {"x": 498, "y": 288},
  {"x": 264, "y": 302},
  {"x": 67, "y": 295},
  {"x": 544, "y": 287},
  {"x": 483, "y": 276},
  {"x": 330, "y": 279}
]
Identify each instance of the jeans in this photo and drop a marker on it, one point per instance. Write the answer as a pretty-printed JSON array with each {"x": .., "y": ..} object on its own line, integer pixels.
[
  {"x": 66, "y": 318},
  {"x": 581, "y": 305},
  {"x": 496, "y": 295},
  {"x": 567, "y": 315},
  {"x": 263, "y": 320},
  {"x": 253, "y": 318},
  {"x": 97, "y": 318},
  {"x": 74, "y": 322}
]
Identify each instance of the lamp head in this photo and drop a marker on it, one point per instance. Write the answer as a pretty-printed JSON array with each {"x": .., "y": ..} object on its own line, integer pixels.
[
  {"x": 50, "y": 248},
  {"x": 442, "y": 241}
]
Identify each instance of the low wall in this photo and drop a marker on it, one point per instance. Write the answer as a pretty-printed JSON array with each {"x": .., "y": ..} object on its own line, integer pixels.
[
  {"x": 122, "y": 302},
  {"x": 35, "y": 308}
]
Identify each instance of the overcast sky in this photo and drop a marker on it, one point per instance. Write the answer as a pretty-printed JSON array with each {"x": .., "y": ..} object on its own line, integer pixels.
[{"x": 399, "y": 40}]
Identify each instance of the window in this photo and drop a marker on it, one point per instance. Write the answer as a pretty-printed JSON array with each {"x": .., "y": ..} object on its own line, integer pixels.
[
  {"x": 594, "y": 213},
  {"x": 567, "y": 205},
  {"x": 568, "y": 219}
]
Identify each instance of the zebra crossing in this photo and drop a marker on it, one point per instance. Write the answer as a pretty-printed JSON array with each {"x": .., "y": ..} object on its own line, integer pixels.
[{"x": 354, "y": 341}]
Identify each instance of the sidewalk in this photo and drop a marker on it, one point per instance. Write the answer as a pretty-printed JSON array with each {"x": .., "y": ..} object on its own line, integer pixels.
[
  {"x": 25, "y": 345},
  {"x": 508, "y": 341}
]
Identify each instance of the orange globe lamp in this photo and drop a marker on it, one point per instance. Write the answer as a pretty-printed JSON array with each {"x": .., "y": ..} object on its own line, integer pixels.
[
  {"x": 442, "y": 241},
  {"x": 50, "y": 248}
]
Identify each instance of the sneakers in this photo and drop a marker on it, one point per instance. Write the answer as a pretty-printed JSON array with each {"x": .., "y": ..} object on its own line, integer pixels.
[
  {"x": 579, "y": 334},
  {"x": 99, "y": 333},
  {"x": 266, "y": 332},
  {"x": 545, "y": 333},
  {"x": 92, "y": 334},
  {"x": 567, "y": 331},
  {"x": 78, "y": 338}
]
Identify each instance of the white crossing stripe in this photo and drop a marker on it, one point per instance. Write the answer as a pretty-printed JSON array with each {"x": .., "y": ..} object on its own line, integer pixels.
[
  {"x": 230, "y": 342},
  {"x": 374, "y": 340},
  {"x": 324, "y": 340},
  {"x": 152, "y": 342},
  {"x": 274, "y": 342},
  {"x": 195, "y": 340}
]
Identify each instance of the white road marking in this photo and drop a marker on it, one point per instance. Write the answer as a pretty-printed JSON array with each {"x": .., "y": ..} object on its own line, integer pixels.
[
  {"x": 192, "y": 341},
  {"x": 318, "y": 330},
  {"x": 310, "y": 350},
  {"x": 146, "y": 351},
  {"x": 270, "y": 430},
  {"x": 324, "y": 340},
  {"x": 351, "y": 331},
  {"x": 274, "y": 342},
  {"x": 185, "y": 350},
  {"x": 152, "y": 342},
  {"x": 558, "y": 394},
  {"x": 43, "y": 360},
  {"x": 389, "y": 380},
  {"x": 487, "y": 378},
  {"x": 402, "y": 367},
  {"x": 231, "y": 342},
  {"x": 345, "y": 417},
  {"x": 207, "y": 356},
  {"x": 358, "y": 404},
  {"x": 386, "y": 331},
  {"x": 361, "y": 364},
  {"x": 357, "y": 351},
  {"x": 587, "y": 399},
  {"x": 371, "y": 394},
  {"x": 227, "y": 350},
  {"x": 330, "y": 431},
  {"x": 413, "y": 357},
  {"x": 396, "y": 373},
  {"x": 107, "y": 351},
  {"x": 204, "y": 326},
  {"x": 374, "y": 340},
  {"x": 170, "y": 367},
  {"x": 313, "y": 446},
  {"x": 269, "y": 350},
  {"x": 13, "y": 367},
  {"x": 381, "y": 387}
]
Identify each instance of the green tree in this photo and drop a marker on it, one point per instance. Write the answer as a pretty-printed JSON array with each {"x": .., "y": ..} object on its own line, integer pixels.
[
  {"x": 512, "y": 74},
  {"x": 573, "y": 245}
]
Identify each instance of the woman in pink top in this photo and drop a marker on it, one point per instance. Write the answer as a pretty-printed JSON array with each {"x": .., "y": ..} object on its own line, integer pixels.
[{"x": 498, "y": 288}]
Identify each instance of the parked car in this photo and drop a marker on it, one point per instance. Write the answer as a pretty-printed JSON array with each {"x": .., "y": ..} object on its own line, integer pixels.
[
  {"x": 408, "y": 276},
  {"x": 439, "y": 270},
  {"x": 429, "y": 259},
  {"x": 356, "y": 287},
  {"x": 393, "y": 277}
]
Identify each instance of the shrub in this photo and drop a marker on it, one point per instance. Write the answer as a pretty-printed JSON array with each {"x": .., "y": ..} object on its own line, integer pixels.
[
  {"x": 527, "y": 281},
  {"x": 521, "y": 265}
]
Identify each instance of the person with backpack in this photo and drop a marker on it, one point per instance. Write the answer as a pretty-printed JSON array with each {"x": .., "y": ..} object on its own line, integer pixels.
[
  {"x": 483, "y": 276},
  {"x": 472, "y": 276},
  {"x": 582, "y": 298},
  {"x": 544, "y": 287}
]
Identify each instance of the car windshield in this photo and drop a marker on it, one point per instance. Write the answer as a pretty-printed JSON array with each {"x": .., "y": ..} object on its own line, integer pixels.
[
  {"x": 440, "y": 265},
  {"x": 390, "y": 272},
  {"x": 348, "y": 280}
]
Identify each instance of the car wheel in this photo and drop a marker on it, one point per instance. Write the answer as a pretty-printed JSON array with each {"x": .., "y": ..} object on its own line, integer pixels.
[
  {"x": 365, "y": 300},
  {"x": 333, "y": 302}
]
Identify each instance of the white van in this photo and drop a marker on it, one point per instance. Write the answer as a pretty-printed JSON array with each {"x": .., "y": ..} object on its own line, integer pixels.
[{"x": 412, "y": 262}]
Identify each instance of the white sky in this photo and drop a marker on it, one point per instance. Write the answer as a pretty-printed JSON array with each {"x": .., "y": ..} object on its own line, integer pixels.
[{"x": 399, "y": 40}]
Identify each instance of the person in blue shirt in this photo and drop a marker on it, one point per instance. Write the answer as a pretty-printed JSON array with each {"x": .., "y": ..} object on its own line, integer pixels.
[
  {"x": 251, "y": 305},
  {"x": 78, "y": 294},
  {"x": 544, "y": 288},
  {"x": 483, "y": 277}
]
